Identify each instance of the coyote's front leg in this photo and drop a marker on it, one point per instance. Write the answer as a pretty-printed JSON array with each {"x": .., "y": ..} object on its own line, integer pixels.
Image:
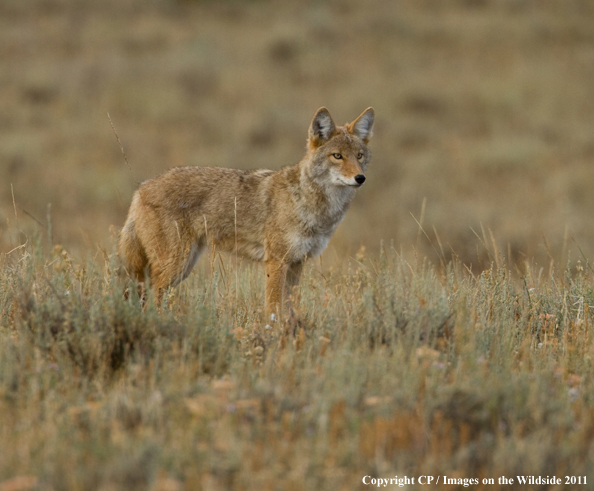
[
  {"x": 276, "y": 272},
  {"x": 291, "y": 283}
]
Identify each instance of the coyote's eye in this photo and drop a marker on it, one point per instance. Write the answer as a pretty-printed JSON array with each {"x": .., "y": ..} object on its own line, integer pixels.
[
  {"x": 359, "y": 156},
  {"x": 337, "y": 156}
]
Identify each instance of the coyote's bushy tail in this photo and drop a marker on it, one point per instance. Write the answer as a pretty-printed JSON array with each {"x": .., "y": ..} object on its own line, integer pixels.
[{"x": 131, "y": 251}]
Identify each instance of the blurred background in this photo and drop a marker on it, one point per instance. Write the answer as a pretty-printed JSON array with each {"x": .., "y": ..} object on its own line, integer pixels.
[{"x": 484, "y": 131}]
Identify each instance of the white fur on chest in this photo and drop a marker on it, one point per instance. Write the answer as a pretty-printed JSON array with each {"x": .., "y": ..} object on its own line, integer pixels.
[
  {"x": 320, "y": 222},
  {"x": 302, "y": 246}
]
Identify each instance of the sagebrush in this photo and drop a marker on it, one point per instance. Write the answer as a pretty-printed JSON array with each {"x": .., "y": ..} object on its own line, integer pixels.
[{"x": 392, "y": 368}]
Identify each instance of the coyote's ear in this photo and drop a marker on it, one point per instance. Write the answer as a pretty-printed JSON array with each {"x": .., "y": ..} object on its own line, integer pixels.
[
  {"x": 363, "y": 125},
  {"x": 322, "y": 127}
]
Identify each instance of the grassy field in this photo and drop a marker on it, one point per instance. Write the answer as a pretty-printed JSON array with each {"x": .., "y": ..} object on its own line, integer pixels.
[
  {"x": 485, "y": 111},
  {"x": 395, "y": 368}
]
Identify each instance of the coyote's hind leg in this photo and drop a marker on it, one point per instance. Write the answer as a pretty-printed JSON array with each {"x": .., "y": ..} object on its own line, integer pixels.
[{"x": 176, "y": 266}]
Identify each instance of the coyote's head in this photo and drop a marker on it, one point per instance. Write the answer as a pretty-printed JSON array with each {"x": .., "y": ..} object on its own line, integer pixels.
[{"x": 339, "y": 154}]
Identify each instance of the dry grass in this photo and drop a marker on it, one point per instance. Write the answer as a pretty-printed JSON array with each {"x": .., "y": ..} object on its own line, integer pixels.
[{"x": 395, "y": 369}]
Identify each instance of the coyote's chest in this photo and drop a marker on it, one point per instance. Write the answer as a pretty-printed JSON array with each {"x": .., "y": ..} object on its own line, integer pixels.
[
  {"x": 302, "y": 246},
  {"x": 318, "y": 224}
]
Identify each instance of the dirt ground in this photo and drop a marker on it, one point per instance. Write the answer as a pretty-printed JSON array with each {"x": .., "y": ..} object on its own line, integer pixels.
[{"x": 485, "y": 112}]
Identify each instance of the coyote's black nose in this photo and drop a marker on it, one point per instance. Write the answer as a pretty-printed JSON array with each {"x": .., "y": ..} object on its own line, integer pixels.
[{"x": 360, "y": 178}]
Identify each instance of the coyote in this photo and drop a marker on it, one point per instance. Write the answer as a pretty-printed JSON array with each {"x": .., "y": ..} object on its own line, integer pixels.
[{"x": 279, "y": 217}]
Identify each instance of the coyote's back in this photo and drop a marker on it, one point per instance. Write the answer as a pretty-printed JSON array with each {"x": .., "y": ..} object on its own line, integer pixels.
[{"x": 279, "y": 217}]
